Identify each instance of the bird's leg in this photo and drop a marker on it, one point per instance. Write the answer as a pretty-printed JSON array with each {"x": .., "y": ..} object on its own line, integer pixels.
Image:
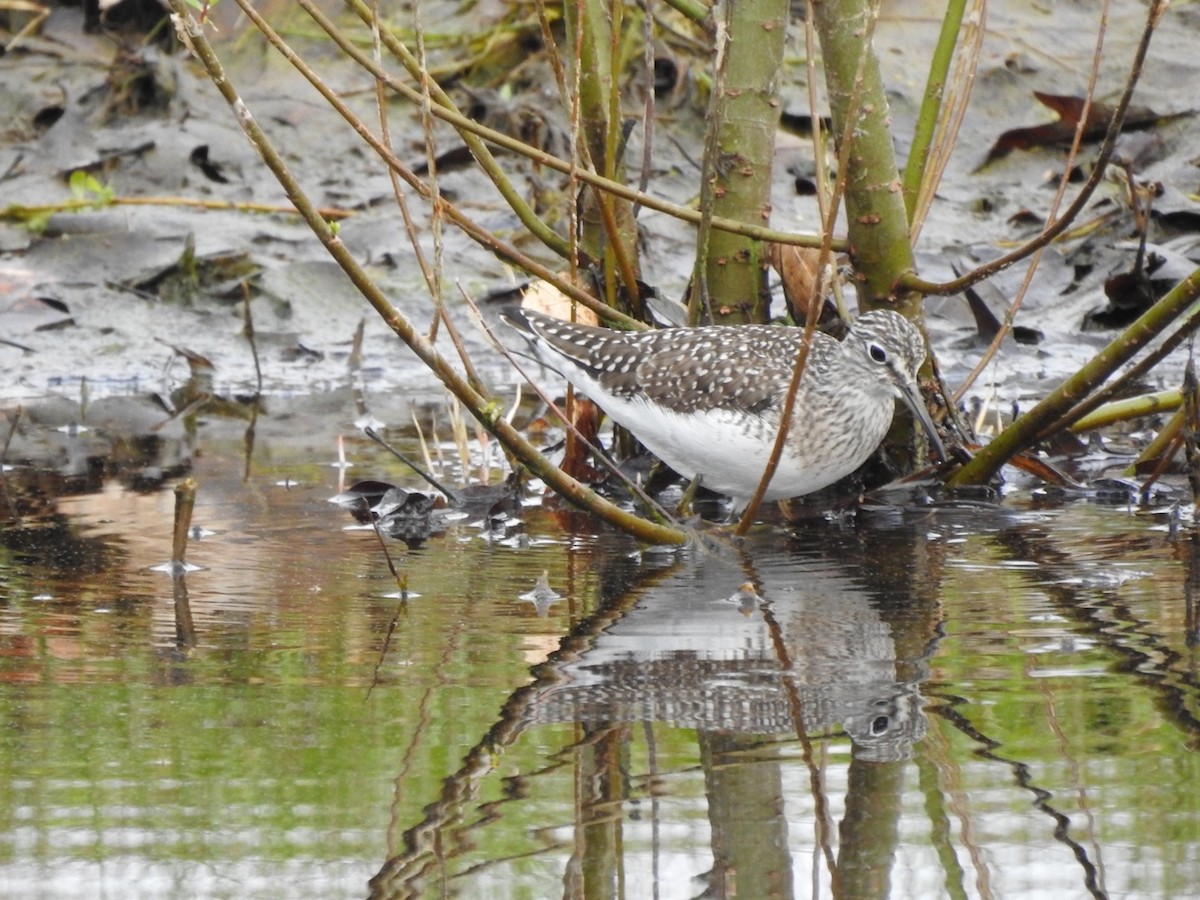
[{"x": 684, "y": 510}]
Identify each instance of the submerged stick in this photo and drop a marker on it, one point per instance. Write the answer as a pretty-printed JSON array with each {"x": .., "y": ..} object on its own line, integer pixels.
[{"x": 185, "y": 503}]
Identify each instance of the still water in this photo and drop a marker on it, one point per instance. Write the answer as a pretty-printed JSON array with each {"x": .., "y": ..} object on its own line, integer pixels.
[{"x": 942, "y": 702}]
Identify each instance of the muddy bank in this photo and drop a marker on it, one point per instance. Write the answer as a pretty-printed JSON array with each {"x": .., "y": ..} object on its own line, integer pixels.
[{"x": 127, "y": 299}]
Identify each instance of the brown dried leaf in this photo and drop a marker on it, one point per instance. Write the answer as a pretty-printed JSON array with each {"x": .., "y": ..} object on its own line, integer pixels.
[
  {"x": 1062, "y": 131},
  {"x": 543, "y": 297},
  {"x": 798, "y": 267}
]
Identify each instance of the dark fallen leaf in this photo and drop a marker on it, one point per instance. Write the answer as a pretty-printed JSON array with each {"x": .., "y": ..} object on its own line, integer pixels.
[
  {"x": 410, "y": 520},
  {"x": 1177, "y": 210},
  {"x": 805, "y": 187},
  {"x": 801, "y": 123},
  {"x": 505, "y": 294},
  {"x": 1120, "y": 491},
  {"x": 46, "y": 117},
  {"x": 644, "y": 469},
  {"x": 212, "y": 170},
  {"x": 1066, "y": 444},
  {"x": 1062, "y": 131},
  {"x": 666, "y": 75},
  {"x": 501, "y": 526},
  {"x": 509, "y": 502},
  {"x": 1026, "y": 217},
  {"x": 28, "y": 313},
  {"x": 1183, "y": 220},
  {"x": 452, "y": 159},
  {"x": 804, "y": 176},
  {"x": 1131, "y": 293},
  {"x": 128, "y": 17},
  {"x": 398, "y": 502},
  {"x": 299, "y": 353},
  {"x": 988, "y": 326},
  {"x": 63, "y": 320},
  {"x": 987, "y": 323},
  {"x": 54, "y": 304}
]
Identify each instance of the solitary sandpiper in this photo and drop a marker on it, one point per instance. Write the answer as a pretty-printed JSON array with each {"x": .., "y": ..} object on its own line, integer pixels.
[{"x": 707, "y": 401}]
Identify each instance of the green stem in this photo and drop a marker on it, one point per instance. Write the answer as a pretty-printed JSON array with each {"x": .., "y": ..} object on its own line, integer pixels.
[
  {"x": 745, "y": 107},
  {"x": 931, "y": 105},
  {"x": 876, "y": 218},
  {"x": 1156, "y": 451},
  {"x": 1130, "y": 408}
]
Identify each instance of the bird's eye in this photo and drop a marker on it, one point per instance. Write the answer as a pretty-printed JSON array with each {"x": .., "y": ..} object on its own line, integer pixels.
[{"x": 877, "y": 353}]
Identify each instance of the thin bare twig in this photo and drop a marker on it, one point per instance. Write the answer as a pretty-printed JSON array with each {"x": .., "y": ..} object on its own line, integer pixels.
[{"x": 428, "y": 273}]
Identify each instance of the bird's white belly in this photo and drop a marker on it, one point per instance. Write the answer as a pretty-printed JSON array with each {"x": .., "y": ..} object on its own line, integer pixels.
[
  {"x": 731, "y": 458},
  {"x": 730, "y": 449}
]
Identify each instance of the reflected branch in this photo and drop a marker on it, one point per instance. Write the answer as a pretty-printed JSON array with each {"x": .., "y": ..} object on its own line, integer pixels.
[
  {"x": 1024, "y": 779},
  {"x": 821, "y": 813},
  {"x": 1112, "y": 624}
]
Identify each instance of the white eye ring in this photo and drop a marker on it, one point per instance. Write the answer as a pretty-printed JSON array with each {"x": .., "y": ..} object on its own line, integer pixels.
[{"x": 877, "y": 352}]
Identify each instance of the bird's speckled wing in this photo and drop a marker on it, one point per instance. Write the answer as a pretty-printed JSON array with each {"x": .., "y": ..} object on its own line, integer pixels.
[
  {"x": 704, "y": 372},
  {"x": 686, "y": 369}
]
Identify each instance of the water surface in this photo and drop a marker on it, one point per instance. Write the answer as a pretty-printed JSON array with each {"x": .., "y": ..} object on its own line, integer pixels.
[{"x": 960, "y": 702}]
